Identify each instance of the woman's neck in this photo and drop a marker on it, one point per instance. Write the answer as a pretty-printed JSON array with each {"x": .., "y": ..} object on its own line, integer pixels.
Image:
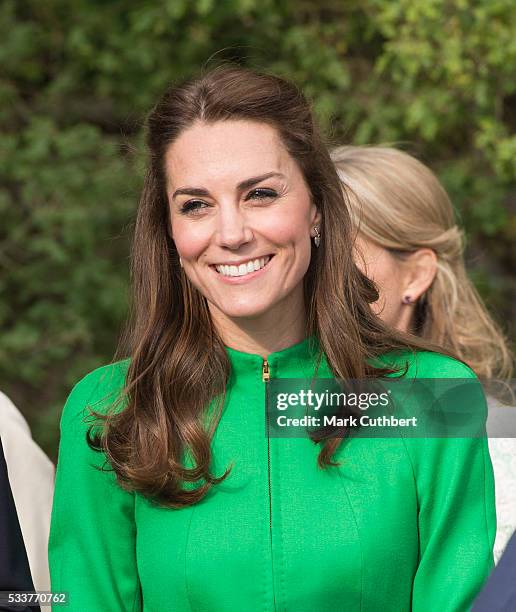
[{"x": 262, "y": 335}]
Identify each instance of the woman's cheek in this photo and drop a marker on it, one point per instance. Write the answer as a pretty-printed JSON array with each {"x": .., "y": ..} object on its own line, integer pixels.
[
  {"x": 190, "y": 241},
  {"x": 282, "y": 228}
]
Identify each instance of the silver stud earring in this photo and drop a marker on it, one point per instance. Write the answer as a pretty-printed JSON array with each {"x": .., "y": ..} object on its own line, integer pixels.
[
  {"x": 407, "y": 299},
  {"x": 317, "y": 237}
]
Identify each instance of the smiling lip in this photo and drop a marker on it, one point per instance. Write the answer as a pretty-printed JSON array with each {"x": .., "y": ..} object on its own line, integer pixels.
[
  {"x": 243, "y": 261},
  {"x": 236, "y": 280}
]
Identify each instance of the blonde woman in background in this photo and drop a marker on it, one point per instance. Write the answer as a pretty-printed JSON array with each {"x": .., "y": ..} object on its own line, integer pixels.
[{"x": 409, "y": 244}]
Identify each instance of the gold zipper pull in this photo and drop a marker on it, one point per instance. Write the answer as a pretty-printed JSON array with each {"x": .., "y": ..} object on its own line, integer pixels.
[{"x": 266, "y": 375}]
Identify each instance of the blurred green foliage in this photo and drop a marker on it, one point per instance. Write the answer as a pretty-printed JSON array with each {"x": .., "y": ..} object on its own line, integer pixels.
[{"x": 78, "y": 78}]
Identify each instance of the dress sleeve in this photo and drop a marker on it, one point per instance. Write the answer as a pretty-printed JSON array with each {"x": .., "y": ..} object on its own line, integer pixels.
[
  {"x": 456, "y": 514},
  {"x": 92, "y": 547},
  {"x": 456, "y": 526}
]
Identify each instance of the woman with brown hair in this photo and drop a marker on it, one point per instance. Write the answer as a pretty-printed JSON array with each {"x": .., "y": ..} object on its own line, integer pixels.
[
  {"x": 243, "y": 273},
  {"x": 408, "y": 242}
]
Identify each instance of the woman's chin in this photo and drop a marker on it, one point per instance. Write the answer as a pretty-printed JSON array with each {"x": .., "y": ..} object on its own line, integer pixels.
[{"x": 245, "y": 310}]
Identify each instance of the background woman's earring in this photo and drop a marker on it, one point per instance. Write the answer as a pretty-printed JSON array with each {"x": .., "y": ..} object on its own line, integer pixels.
[
  {"x": 407, "y": 299},
  {"x": 180, "y": 262},
  {"x": 317, "y": 237}
]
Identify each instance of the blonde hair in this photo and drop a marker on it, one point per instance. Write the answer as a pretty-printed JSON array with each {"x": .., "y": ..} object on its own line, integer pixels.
[{"x": 398, "y": 203}]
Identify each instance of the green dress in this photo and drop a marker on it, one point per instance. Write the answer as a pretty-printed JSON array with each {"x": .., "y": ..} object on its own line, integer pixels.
[{"x": 402, "y": 524}]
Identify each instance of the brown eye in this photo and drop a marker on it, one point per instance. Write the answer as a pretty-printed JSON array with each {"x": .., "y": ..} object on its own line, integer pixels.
[
  {"x": 192, "y": 206},
  {"x": 261, "y": 194}
]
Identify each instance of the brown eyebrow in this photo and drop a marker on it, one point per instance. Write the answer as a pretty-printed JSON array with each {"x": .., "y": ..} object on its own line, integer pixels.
[{"x": 250, "y": 182}]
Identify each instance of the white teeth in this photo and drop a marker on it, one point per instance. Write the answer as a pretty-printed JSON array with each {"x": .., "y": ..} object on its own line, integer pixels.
[{"x": 243, "y": 269}]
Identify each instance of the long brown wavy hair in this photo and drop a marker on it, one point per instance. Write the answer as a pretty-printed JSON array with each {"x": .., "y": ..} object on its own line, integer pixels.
[{"x": 178, "y": 365}]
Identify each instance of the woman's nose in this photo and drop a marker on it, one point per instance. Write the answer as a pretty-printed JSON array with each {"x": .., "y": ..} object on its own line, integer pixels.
[{"x": 233, "y": 229}]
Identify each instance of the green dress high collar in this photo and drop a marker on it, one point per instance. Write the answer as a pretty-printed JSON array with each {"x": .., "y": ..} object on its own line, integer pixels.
[{"x": 296, "y": 361}]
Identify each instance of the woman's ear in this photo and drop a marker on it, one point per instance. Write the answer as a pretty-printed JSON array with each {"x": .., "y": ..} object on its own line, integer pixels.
[
  {"x": 317, "y": 217},
  {"x": 421, "y": 268}
]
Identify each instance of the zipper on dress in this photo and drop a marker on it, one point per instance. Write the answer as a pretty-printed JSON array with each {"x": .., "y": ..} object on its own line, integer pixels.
[{"x": 266, "y": 376}]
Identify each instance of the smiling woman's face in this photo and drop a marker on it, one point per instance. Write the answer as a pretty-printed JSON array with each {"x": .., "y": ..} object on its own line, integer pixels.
[{"x": 241, "y": 217}]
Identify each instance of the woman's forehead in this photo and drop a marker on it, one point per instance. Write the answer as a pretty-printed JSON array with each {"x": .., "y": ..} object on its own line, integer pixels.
[{"x": 226, "y": 150}]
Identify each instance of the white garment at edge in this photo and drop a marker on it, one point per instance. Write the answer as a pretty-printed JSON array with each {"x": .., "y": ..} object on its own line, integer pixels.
[
  {"x": 501, "y": 421},
  {"x": 31, "y": 476}
]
